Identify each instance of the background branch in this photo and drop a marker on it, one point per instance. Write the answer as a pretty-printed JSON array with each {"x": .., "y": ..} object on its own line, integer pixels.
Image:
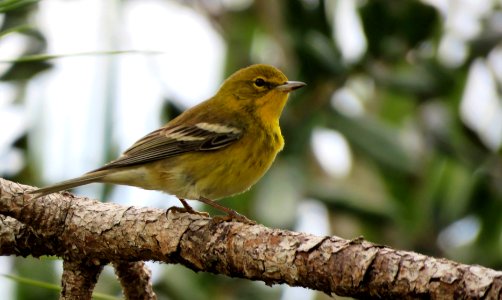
[
  {"x": 79, "y": 279},
  {"x": 135, "y": 278},
  {"x": 109, "y": 232}
]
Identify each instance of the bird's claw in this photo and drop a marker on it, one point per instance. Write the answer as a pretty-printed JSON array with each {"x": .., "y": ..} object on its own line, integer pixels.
[
  {"x": 234, "y": 216},
  {"x": 187, "y": 210}
]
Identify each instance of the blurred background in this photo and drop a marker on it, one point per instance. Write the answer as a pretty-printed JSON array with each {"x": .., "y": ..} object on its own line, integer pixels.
[{"x": 396, "y": 138}]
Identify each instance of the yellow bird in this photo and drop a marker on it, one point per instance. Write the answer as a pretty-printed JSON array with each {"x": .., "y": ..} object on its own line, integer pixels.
[{"x": 218, "y": 148}]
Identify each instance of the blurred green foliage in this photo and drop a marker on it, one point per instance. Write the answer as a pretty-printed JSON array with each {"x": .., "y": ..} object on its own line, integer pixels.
[{"x": 410, "y": 179}]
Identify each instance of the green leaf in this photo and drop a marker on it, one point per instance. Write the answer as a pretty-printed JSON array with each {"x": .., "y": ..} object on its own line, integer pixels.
[
  {"x": 45, "y": 57},
  {"x": 51, "y": 286},
  {"x": 20, "y": 28},
  {"x": 8, "y": 5}
]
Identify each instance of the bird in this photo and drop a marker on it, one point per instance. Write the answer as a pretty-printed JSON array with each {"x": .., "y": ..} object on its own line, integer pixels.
[{"x": 216, "y": 149}]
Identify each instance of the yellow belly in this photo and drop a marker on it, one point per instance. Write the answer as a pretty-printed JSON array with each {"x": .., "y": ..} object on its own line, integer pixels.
[{"x": 215, "y": 174}]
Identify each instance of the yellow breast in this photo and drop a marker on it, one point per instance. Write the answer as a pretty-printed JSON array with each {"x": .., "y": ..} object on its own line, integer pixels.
[{"x": 221, "y": 173}]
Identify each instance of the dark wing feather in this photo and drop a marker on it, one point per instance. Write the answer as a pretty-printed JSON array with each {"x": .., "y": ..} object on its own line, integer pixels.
[{"x": 164, "y": 143}]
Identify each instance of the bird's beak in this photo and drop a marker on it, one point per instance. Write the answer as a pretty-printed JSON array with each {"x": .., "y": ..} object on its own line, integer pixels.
[{"x": 290, "y": 86}]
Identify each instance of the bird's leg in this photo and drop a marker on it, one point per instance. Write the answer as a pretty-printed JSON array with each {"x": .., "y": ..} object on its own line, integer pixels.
[
  {"x": 186, "y": 208},
  {"x": 231, "y": 214}
]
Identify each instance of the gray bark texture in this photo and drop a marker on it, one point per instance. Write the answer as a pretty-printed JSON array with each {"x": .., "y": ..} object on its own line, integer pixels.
[{"x": 88, "y": 234}]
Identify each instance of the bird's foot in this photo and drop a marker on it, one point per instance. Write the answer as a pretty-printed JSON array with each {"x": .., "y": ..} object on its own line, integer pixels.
[
  {"x": 234, "y": 216},
  {"x": 186, "y": 210}
]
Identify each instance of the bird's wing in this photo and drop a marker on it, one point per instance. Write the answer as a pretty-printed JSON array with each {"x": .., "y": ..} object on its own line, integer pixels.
[{"x": 168, "y": 142}]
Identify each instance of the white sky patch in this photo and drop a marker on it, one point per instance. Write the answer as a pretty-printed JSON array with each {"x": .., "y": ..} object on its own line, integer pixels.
[
  {"x": 7, "y": 285},
  {"x": 346, "y": 101},
  {"x": 463, "y": 18},
  {"x": 460, "y": 233},
  {"x": 70, "y": 26},
  {"x": 452, "y": 50},
  {"x": 192, "y": 64},
  {"x": 11, "y": 162},
  {"x": 66, "y": 103},
  {"x": 348, "y": 30},
  {"x": 350, "y": 98},
  {"x": 313, "y": 218},
  {"x": 138, "y": 102},
  {"x": 11, "y": 47},
  {"x": 332, "y": 151},
  {"x": 12, "y": 117},
  {"x": 481, "y": 107},
  {"x": 7, "y": 94},
  {"x": 463, "y": 21}
]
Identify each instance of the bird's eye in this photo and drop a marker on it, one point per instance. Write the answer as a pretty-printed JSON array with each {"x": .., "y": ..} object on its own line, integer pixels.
[{"x": 259, "y": 82}]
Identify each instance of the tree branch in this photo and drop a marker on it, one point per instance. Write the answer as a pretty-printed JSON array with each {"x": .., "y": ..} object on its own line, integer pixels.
[
  {"x": 78, "y": 229},
  {"x": 79, "y": 279},
  {"x": 19, "y": 239},
  {"x": 135, "y": 278}
]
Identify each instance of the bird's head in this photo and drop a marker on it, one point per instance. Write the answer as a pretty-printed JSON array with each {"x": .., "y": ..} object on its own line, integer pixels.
[{"x": 260, "y": 89}]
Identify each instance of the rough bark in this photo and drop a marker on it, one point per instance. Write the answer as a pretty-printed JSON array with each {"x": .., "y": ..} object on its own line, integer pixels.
[
  {"x": 135, "y": 278},
  {"x": 78, "y": 229},
  {"x": 78, "y": 279}
]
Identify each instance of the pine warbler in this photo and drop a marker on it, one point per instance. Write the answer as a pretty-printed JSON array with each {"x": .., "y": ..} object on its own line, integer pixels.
[{"x": 216, "y": 149}]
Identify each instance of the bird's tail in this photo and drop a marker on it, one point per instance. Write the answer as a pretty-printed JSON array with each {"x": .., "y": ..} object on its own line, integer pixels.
[{"x": 68, "y": 184}]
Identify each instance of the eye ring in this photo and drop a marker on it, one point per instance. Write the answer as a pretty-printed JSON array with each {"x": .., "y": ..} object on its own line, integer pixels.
[{"x": 259, "y": 82}]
